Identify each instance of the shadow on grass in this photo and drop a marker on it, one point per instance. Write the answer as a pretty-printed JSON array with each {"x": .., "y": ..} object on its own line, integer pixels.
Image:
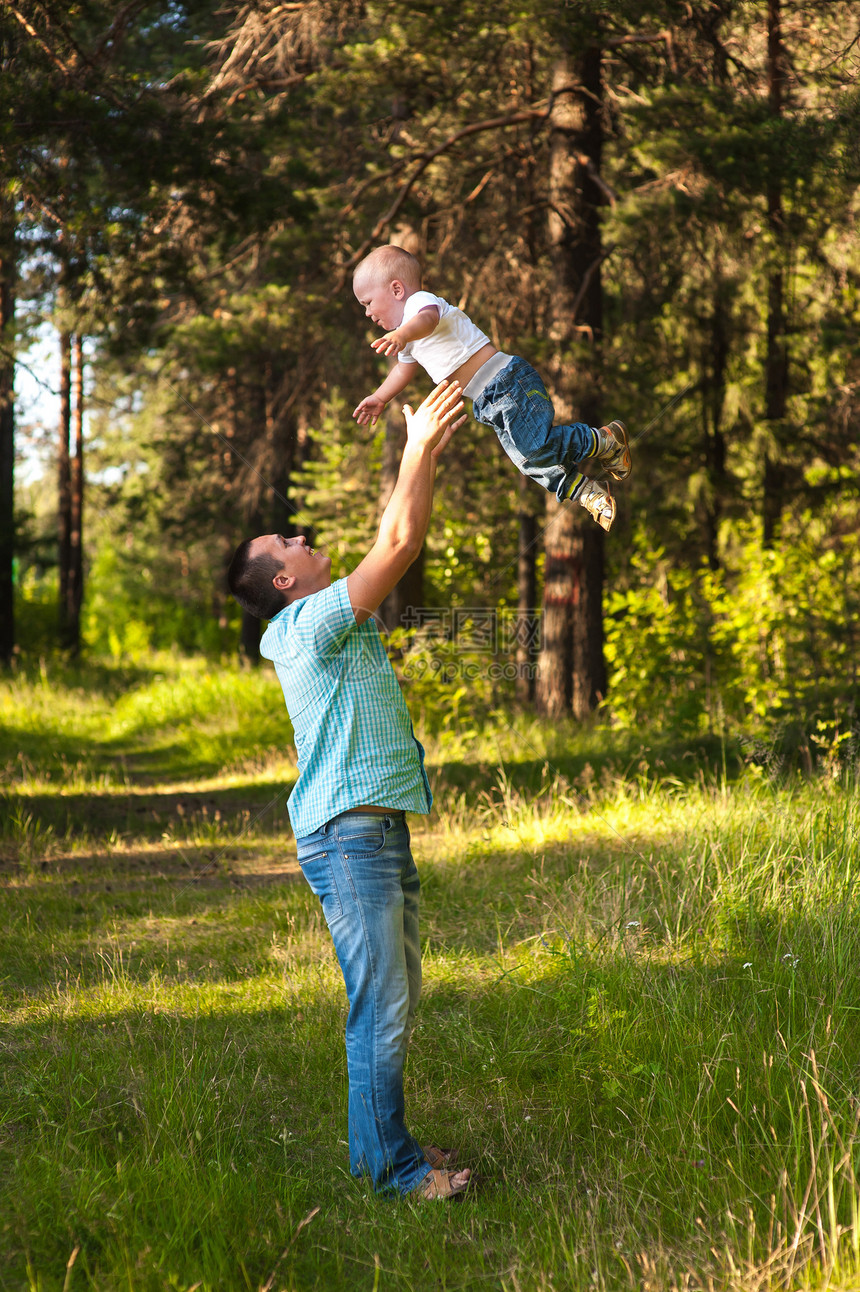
[
  {"x": 140, "y": 811},
  {"x": 108, "y": 680},
  {"x": 598, "y": 758},
  {"x": 136, "y": 811},
  {"x": 25, "y": 753},
  {"x": 512, "y": 1051},
  {"x": 624, "y": 1100},
  {"x": 133, "y": 899},
  {"x": 135, "y": 805}
]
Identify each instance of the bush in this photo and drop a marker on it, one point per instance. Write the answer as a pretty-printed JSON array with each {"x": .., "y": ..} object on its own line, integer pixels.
[{"x": 766, "y": 645}]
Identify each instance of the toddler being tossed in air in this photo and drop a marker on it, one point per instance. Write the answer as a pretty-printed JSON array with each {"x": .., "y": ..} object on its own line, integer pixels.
[{"x": 506, "y": 392}]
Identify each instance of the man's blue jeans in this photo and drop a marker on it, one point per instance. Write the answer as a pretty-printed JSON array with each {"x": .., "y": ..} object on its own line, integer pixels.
[
  {"x": 516, "y": 405},
  {"x": 360, "y": 867}
]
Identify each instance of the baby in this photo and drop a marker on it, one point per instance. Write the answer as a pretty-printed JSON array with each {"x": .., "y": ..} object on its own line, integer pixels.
[{"x": 506, "y": 391}]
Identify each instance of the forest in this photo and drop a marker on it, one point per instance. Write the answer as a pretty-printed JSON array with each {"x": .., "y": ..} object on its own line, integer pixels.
[
  {"x": 655, "y": 203},
  {"x": 640, "y": 915}
]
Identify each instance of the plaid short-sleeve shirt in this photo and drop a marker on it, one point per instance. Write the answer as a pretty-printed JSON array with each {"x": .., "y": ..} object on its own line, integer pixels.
[{"x": 353, "y": 733}]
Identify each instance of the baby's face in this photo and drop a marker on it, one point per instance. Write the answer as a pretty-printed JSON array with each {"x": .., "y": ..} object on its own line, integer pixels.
[{"x": 382, "y": 300}]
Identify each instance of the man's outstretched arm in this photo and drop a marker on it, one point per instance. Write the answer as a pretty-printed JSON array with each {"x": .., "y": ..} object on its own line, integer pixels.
[{"x": 405, "y": 520}]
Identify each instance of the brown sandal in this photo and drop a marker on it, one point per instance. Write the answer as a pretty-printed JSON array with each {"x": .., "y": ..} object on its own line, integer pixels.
[
  {"x": 440, "y": 1158},
  {"x": 437, "y": 1184}
]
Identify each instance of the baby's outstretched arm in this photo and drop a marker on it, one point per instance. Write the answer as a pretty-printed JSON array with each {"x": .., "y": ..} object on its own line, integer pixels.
[{"x": 373, "y": 406}]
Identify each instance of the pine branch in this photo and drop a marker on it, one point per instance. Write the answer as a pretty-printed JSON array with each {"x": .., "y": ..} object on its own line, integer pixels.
[
  {"x": 43, "y": 45},
  {"x": 45, "y": 209},
  {"x": 423, "y": 160},
  {"x": 273, "y": 83},
  {"x": 647, "y": 39},
  {"x": 82, "y": 59},
  {"x": 118, "y": 26}
]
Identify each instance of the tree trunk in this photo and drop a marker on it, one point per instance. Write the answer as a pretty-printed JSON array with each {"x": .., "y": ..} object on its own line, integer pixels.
[
  {"x": 248, "y": 409},
  {"x": 553, "y": 688},
  {"x": 7, "y": 429},
  {"x": 527, "y": 612},
  {"x": 258, "y": 402},
  {"x": 589, "y": 669},
  {"x": 75, "y": 587},
  {"x": 408, "y": 593},
  {"x": 714, "y": 365},
  {"x": 284, "y": 434},
  {"x": 776, "y": 361},
  {"x": 280, "y": 453},
  {"x": 571, "y": 672},
  {"x": 64, "y": 483}
]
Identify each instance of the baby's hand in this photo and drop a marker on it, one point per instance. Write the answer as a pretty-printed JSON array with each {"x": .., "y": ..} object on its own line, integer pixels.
[
  {"x": 388, "y": 344},
  {"x": 369, "y": 410}
]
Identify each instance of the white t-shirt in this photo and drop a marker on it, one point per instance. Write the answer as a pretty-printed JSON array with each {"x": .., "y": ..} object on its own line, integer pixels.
[{"x": 454, "y": 340}]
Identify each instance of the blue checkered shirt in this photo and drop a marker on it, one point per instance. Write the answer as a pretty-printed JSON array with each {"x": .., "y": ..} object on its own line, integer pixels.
[{"x": 353, "y": 734}]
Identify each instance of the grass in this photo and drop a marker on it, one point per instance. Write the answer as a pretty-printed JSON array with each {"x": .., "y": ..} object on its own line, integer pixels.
[{"x": 640, "y": 1023}]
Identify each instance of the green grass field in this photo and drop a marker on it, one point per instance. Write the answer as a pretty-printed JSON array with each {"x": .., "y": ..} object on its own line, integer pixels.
[{"x": 640, "y": 1023}]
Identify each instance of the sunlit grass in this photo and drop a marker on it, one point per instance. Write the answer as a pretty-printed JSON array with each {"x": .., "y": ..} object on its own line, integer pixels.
[
  {"x": 188, "y": 719},
  {"x": 640, "y": 1021}
]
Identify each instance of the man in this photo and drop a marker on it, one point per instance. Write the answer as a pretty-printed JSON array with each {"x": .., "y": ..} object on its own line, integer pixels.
[{"x": 360, "y": 770}]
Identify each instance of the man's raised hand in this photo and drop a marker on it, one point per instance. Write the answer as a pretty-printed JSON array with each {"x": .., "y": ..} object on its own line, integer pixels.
[{"x": 433, "y": 423}]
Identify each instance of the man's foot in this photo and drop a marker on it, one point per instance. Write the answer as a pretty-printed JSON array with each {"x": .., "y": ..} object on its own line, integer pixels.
[
  {"x": 613, "y": 450},
  {"x": 440, "y": 1158},
  {"x": 598, "y": 502},
  {"x": 442, "y": 1184}
]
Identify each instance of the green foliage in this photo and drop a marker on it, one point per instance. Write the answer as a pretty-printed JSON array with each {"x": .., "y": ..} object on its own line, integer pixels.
[
  {"x": 129, "y": 611},
  {"x": 36, "y": 612},
  {"x": 450, "y": 690},
  {"x": 333, "y": 487},
  {"x": 656, "y": 647},
  {"x": 765, "y": 646}
]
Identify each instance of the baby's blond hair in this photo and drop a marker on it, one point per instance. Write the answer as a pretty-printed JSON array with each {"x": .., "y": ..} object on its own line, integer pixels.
[{"x": 388, "y": 263}]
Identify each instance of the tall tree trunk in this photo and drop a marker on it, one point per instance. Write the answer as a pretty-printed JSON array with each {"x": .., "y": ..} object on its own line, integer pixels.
[
  {"x": 292, "y": 460},
  {"x": 526, "y": 592},
  {"x": 75, "y": 591},
  {"x": 285, "y": 434},
  {"x": 571, "y": 673},
  {"x": 7, "y": 429},
  {"x": 408, "y": 593},
  {"x": 64, "y": 483},
  {"x": 250, "y": 408},
  {"x": 589, "y": 669},
  {"x": 266, "y": 402},
  {"x": 528, "y": 637},
  {"x": 714, "y": 365},
  {"x": 776, "y": 361}
]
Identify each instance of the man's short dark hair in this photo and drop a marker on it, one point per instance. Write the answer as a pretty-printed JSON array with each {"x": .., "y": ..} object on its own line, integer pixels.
[{"x": 250, "y": 580}]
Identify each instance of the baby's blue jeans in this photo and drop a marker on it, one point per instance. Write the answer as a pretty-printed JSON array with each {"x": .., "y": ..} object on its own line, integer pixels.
[
  {"x": 516, "y": 405},
  {"x": 360, "y": 867}
]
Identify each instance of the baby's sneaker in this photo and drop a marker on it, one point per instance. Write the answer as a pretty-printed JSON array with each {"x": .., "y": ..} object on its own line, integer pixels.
[
  {"x": 613, "y": 450},
  {"x": 598, "y": 502}
]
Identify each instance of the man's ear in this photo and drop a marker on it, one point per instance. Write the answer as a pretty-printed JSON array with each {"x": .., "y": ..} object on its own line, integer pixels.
[{"x": 283, "y": 582}]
